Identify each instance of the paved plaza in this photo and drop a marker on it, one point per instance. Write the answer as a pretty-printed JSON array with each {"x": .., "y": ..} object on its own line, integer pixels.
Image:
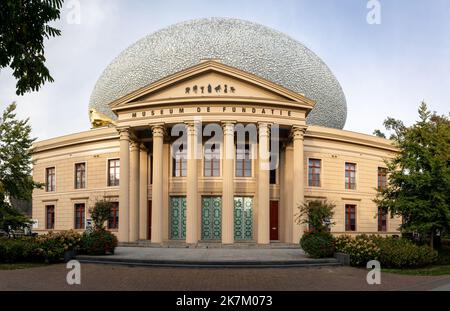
[
  {"x": 211, "y": 257},
  {"x": 126, "y": 278}
]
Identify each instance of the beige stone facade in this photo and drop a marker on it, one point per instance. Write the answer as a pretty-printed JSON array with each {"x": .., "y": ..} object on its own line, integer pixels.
[{"x": 152, "y": 185}]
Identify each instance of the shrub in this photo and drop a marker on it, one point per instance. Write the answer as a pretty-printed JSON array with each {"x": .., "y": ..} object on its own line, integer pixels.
[
  {"x": 16, "y": 250},
  {"x": 318, "y": 244},
  {"x": 49, "y": 247},
  {"x": 390, "y": 251},
  {"x": 361, "y": 249},
  {"x": 316, "y": 214},
  {"x": 401, "y": 253},
  {"x": 100, "y": 213},
  {"x": 99, "y": 242}
]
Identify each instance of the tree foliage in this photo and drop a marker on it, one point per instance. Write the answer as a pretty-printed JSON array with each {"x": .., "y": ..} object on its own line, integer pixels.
[
  {"x": 100, "y": 213},
  {"x": 23, "y": 28},
  {"x": 317, "y": 214},
  {"x": 419, "y": 175},
  {"x": 15, "y": 166}
]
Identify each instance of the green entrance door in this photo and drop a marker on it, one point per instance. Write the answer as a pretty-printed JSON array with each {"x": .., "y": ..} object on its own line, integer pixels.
[
  {"x": 211, "y": 218},
  {"x": 178, "y": 218},
  {"x": 243, "y": 218}
]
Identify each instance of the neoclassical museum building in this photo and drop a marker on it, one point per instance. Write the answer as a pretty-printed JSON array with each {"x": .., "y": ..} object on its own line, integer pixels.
[{"x": 213, "y": 131}]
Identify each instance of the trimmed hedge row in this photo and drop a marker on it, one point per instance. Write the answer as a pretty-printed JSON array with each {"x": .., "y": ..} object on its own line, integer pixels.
[{"x": 51, "y": 247}]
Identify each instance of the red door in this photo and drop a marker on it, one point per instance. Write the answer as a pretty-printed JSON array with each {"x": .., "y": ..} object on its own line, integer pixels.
[
  {"x": 274, "y": 221},
  {"x": 149, "y": 220}
]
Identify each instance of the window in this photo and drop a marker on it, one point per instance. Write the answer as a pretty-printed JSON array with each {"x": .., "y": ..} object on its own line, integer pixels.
[
  {"x": 80, "y": 176},
  {"x": 211, "y": 162},
  {"x": 243, "y": 161},
  {"x": 151, "y": 169},
  {"x": 50, "y": 219},
  {"x": 350, "y": 217},
  {"x": 273, "y": 177},
  {"x": 382, "y": 220},
  {"x": 350, "y": 176},
  {"x": 314, "y": 166},
  {"x": 113, "y": 221},
  {"x": 50, "y": 179},
  {"x": 382, "y": 178},
  {"x": 179, "y": 166},
  {"x": 113, "y": 172},
  {"x": 79, "y": 216}
]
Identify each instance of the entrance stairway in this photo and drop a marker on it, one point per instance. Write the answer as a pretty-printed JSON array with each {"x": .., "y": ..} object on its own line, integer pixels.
[{"x": 205, "y": 244}]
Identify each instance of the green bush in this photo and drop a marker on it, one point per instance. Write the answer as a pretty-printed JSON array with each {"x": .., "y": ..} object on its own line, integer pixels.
[
  {"x": 318, "y": 244},
  {"x": 361, "y": 249},
  {"x": 49, "y": 247},
  {"x": 16, "y": 250},
  {"x": 99, "y": 242},
  {"x": 390, "y": 251},
  {"x": 402, "y": 253}
]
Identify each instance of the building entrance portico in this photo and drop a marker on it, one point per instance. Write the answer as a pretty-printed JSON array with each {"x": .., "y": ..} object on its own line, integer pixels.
[{"x": 210, "y": 169}]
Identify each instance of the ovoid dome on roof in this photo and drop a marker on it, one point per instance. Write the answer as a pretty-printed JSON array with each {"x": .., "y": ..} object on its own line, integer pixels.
[{"x": 248, "y": 46}]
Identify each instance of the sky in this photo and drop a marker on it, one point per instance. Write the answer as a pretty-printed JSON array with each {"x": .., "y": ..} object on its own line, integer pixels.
[{"x": 384, "y": 69}]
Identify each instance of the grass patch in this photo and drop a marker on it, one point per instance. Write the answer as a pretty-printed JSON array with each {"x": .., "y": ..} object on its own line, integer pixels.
[
  {"x": 431, "y": 270},
  {"x": 17, "y": 266}
]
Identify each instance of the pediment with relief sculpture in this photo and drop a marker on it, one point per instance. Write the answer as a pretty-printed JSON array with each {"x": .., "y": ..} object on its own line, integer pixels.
[{"x": 211, "y": 80}]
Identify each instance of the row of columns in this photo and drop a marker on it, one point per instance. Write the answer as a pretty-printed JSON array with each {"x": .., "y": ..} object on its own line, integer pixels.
[{"x": 133, "y": 185}]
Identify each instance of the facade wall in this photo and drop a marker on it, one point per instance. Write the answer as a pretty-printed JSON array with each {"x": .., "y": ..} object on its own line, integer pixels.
[{"x": 63, "y": 153}]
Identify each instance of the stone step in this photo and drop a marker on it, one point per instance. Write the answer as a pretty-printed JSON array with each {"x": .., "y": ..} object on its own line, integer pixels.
[{"x": 237, "y": 245}]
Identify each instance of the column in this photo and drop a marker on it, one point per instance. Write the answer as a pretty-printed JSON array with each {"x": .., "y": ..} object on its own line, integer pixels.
[
  {"x": 263, "y": 184},
  {"x": 191, "y": 185},
  {"x": 157, "y": 186},
  {"x": 143, "y": 197},
  {"x": 124, "y": 194},
  {"x": 134, "y": 192},
  {"x": 298, "y": 196},
  {"x": 228, "y": 184},
  {"x": 288, "y": 192}
]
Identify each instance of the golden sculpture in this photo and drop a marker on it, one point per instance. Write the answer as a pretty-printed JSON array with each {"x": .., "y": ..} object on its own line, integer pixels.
[{"x": 98, "y": 119}]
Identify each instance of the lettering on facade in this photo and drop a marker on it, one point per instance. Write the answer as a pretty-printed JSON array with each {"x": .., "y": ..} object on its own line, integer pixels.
[
  {"x": 208, "y": 109},
  {"x": 209, "y": 89}
]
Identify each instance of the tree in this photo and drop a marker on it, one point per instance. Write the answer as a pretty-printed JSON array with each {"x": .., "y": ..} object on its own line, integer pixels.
[
  {"x": 418, "y": 187},
  {"x": 23, "y": 28},
  {"x": 379, "y": 133},
  {"x": 100, "y": 213},
  {"x": 15, "y": 167},
  {"x": 317, "y": 214}
]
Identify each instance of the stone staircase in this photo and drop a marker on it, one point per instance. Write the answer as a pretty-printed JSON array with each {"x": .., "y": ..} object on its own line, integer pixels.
[{"x": 203, "y": 245}]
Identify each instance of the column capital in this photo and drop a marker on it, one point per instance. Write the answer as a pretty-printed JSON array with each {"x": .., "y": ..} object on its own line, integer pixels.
[
  {"x": 135, "y": 146},
  {"x": 142, "y": 147},
  {"x": 158, "y": 129},
  {"x": 264, "y": 128},
  {"x": 228, "y": 127},
  {"x": 191, "y": 127},
  {"x": 298, "y": 131},
  {"x": 124, "y": 132}
]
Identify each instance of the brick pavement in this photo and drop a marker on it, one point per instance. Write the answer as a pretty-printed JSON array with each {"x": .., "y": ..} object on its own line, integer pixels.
[{"x": 116, "y": 277}]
